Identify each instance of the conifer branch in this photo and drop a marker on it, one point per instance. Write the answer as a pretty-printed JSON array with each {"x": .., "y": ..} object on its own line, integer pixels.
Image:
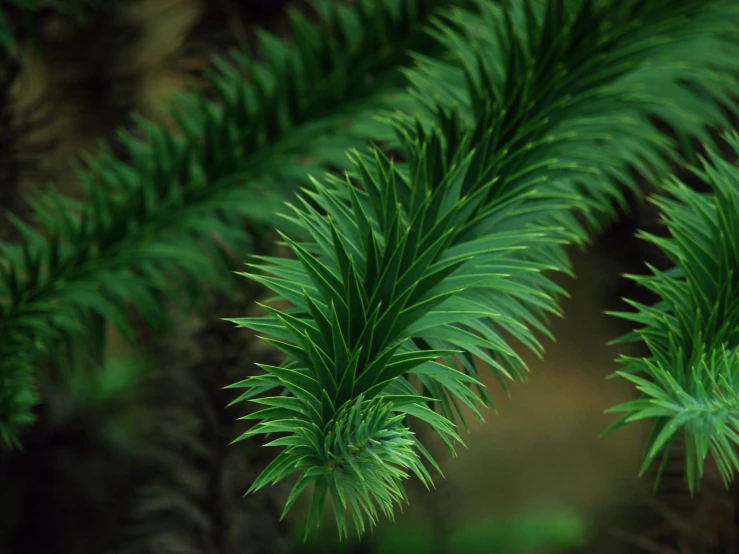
[
  {"x": 147, "y": 228},
  {"x": 690, "y": 380},
  {"x": 428, "y": 263}
]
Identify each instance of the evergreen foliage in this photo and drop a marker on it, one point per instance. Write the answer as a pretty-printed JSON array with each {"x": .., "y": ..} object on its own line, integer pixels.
[
  {"x": 173, "y": 213},
  {"x": 525, "y": 126},
  {"x": 690, "y": 381},
  {"x": 429, "y": 262}
]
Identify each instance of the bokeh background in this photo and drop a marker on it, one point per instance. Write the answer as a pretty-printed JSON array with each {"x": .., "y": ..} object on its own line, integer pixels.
[{"x": 136, "y": 459}]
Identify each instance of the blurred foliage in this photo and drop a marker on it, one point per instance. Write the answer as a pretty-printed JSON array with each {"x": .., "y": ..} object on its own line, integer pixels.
[
  {"x": 20, "y": 17},
  {"x": 528, "y": 533}
]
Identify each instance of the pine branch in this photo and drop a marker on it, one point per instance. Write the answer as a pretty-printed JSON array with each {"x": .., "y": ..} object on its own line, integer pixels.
[
  {"x": 684, "y": 75},
  {"x": 152, "y": 222},
  {"x": 426, "y": 264},
  {"x": 690, "y": 380}
]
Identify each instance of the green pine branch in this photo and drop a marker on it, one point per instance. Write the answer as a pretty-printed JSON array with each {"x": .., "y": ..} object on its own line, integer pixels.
[
  {"x": 411, "y": 270},
  {"x": 170, "y": 219},
  {"x": 690, "y": 380}
]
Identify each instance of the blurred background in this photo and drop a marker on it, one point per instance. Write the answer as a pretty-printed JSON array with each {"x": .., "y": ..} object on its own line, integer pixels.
[{"x": 135, "y": 459}]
